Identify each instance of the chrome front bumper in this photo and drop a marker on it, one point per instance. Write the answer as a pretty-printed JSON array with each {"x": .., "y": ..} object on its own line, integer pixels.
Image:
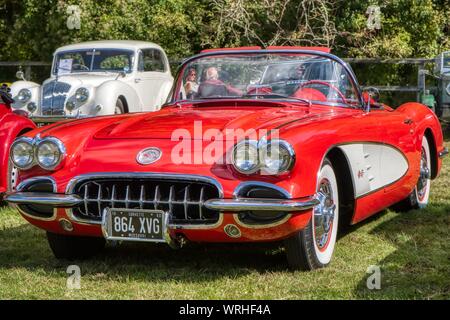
[
  {"x": 248, "y": 204},
  {"x": 443, "y": 153},
  {"x": 226, "y": 205},
  {"x": 49, "y": 199}
]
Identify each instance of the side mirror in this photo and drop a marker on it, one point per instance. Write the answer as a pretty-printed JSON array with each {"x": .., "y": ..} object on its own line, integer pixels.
[
  {"x": 371, "y": 95},
  {"x": 20, "y": 75}
]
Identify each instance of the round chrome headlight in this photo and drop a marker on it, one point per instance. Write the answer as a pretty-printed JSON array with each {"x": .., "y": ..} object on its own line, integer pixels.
[
  {"x": 22, "y": 153},
  {"x": 49, "y": 153},
  {"x": 24, "y": 95},
  {"x": 245, "y": 157},
  {"x": 276, "y": 157},
  {"x": 32, "y": 107},
  {"x": 82, "y": 95},
  {"x": 448, "y": 89},
  {"x": 70, "y": 105}
]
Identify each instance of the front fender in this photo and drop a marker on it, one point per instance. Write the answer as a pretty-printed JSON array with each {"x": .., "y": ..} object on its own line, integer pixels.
[
  {"x": 108, "y": 92},
  {"x": 11, "y": 126}
]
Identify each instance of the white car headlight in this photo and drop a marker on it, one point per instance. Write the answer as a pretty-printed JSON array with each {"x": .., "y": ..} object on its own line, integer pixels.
[
  {"x": 22, "y": 153},
  {"x": 50, "y": 152},
  {"x": 448, "y": 89},
  {"x": 31, "y": 107},
  {"x": 24, "y": 95},
  {"x": 276, "y": 157},
  {"x": 82, "y": 95},
  {"x": 245, "y": 157}
]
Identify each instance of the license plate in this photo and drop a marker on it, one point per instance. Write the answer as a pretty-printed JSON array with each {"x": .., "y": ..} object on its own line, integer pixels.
[{"x": 134, "y": 225}]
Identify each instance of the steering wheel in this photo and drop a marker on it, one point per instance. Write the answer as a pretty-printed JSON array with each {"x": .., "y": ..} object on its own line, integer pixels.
[
  {"x": 80, "y": 66},
  {"x": 329, "y": 85}
]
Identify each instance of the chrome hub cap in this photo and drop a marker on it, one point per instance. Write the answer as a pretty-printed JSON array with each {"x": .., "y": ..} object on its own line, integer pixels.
[
  {"x": 324, "y": 215},
  {"x": 424, "y": 175}
]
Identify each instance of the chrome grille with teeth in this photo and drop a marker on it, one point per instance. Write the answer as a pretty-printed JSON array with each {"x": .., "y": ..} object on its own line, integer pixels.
[
  {"x": 184, "y": 200},
  {"x": 54, "y": 96}
]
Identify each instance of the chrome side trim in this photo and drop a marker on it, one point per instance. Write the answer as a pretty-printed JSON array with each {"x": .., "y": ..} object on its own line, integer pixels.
[
  {"x": 249, "y": 204},
  {"x": 41, "y": 198},
  {"x": 443, "y": 153},
  {"x": 52, "y": 119}
]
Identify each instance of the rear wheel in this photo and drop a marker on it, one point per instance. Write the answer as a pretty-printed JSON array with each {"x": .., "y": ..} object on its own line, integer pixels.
[
  {"x": 73, "y": 247},
  {"x": 313, "y": 247},
  {"x": 120, "y": 108},
  {"x": 420, "y": 196}
]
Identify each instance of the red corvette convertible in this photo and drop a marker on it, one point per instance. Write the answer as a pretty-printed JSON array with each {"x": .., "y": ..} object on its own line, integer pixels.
[
  {"x": 12, "y": 125},
  {"x": 253, "y": 145}
]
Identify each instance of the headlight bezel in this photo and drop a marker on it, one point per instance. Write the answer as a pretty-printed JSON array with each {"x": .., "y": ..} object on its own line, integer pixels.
[
  {"x": 81, "y": 97},
  {"x": 262, "y": 147},
  {"x": 282, "y": 144},
  {"x": 28, "y": 95},
  {"x": 59, "y": 146},
  {"x": 253, "y": 144},
  {"x": 26, "y": 140}
]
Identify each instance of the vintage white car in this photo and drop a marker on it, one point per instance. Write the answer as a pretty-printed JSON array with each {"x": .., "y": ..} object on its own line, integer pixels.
[{"x": 98, "y": 78}]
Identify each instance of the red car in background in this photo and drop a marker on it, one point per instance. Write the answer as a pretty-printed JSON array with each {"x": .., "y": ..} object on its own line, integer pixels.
[
  {"x": 12, "y": 125},
  {"x": 275, "y": 144}
]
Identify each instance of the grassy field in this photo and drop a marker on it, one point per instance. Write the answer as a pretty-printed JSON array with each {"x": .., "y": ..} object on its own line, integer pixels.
[{"x": 412, "y": 249}]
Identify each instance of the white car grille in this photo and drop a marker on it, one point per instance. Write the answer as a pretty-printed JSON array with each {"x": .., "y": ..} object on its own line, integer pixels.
[{"x": 54, "y": 96}]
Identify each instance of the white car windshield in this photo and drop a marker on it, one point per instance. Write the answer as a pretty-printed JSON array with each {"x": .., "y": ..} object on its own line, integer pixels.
[
  {"x": 293, "y": 76},
  {"x": 93, "y": 60}
]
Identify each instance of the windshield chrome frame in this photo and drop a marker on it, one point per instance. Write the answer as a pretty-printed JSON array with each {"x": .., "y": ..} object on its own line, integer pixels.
[
  {"x": 176, "y": 88},
  {"x": 131, "y": 51}
]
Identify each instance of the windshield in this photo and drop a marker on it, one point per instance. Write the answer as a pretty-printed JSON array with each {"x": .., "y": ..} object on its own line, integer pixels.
[
  {"x": 294, "y": 76},
  {"x": 93, "y": 60}
]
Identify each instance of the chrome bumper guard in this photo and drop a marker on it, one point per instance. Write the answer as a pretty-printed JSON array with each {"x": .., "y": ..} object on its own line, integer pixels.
[
  {"x": 248, "y": 204},
  {"x": 230, "y": 205}
]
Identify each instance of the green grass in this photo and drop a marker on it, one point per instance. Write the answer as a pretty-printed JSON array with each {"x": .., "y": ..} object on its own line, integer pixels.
[{"x": 412, "y": 249}]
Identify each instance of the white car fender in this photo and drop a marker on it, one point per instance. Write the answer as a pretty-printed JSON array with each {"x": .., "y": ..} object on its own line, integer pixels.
[
  {"x": 35, "y": 93},
  {"x": 163, "y": 94},
  {"x": 107, "y": 93}
]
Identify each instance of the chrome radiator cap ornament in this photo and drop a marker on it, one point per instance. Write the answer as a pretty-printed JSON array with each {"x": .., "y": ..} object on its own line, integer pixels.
[{"x": 149, "y": 155}]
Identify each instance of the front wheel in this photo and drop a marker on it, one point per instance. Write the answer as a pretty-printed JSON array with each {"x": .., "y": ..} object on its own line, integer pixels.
[
  {"x": 312, "y": 247},
  {"x": 120, "y": 108},
  {"x": 73, "y": 247}
]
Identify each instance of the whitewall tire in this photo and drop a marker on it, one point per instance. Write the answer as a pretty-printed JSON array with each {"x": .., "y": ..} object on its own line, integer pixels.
[{"x": 313, "y": 247}]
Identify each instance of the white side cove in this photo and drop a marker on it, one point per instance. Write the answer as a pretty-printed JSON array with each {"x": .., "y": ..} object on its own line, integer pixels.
[{"x": 374, "y": 166}]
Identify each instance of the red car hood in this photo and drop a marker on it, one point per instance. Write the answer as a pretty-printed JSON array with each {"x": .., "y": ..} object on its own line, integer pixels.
[{"x": 195, "y": 121}]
